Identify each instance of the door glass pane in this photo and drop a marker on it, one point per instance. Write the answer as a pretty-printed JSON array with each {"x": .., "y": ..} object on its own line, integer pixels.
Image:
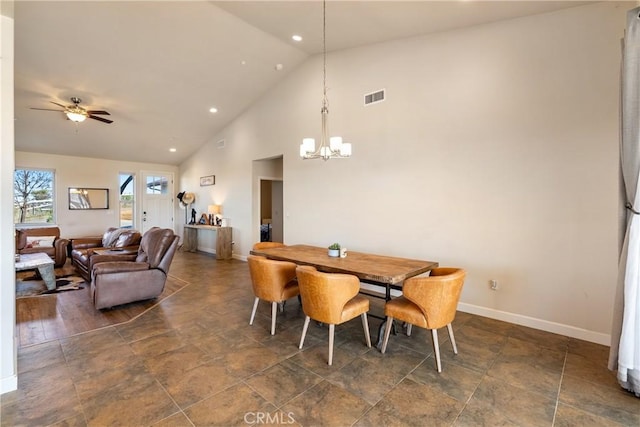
[
  {"x": 156, "y": 185},
  {"x": 127, "y": 200}
]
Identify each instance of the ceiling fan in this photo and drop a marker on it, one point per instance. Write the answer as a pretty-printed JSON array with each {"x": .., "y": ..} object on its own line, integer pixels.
[{"x": 78, "y": 114}]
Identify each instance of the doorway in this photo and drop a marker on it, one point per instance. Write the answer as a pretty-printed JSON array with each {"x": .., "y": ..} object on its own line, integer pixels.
[
  {"x": 271, "y": 221},
  {"x": 268, "y": 200}
]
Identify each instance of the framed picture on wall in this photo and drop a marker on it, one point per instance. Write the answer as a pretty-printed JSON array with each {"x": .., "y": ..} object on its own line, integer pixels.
[{"x": 207, "y": 180}]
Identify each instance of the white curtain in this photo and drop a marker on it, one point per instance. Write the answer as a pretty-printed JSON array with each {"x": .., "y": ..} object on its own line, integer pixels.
[{"x": 625, "y": 337}]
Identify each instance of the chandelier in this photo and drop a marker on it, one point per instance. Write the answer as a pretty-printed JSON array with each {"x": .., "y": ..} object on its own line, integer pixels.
[{"x": 333, "y": 147}]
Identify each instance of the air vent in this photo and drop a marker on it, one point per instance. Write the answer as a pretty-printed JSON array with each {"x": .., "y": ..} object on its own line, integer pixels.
[
  {"x": 372, "y": 98},
  {"x": 221, "y": 143}
]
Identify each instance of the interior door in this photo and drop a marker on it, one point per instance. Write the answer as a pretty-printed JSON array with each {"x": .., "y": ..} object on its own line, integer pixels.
[
  {"x": 277, "y": 233},
  {"x": 157, "y": 200}
]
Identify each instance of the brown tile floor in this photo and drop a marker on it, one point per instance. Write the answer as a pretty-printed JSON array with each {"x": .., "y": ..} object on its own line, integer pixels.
[{"x": 194, "y": 360}]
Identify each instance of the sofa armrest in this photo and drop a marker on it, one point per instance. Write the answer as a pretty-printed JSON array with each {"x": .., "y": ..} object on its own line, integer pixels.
[
  {"x": 86, "y": 243},
  {"x": 61, "y": 246},
  {"x": 124, "y": 249},
  {"x": 119, "y": 267},
  {"x": 98, "y": 258}
]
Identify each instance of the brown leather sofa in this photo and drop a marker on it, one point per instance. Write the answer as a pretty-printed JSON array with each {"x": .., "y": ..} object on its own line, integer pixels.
[
  {"x": 121, "y": 242},
  {"x": 42, "y": 239},
  {"x": 120, "y": 282}
]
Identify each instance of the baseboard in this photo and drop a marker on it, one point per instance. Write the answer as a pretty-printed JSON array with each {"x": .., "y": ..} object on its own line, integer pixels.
[
  {"x": 8, "y": 384},
  {"x": 205, "y": 249},
  {"x": 518, "y": 319},
  {"x": 531, "y": 322}
]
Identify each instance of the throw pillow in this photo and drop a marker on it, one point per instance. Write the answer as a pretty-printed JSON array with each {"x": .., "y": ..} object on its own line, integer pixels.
[{"x": 40, "y": 241}]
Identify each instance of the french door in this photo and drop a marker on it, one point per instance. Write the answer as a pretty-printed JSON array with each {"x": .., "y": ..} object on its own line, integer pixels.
[{"x": 157, "y": 200}]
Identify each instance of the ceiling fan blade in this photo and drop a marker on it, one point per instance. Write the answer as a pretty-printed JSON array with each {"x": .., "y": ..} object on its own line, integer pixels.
[
  {"x": 46, "y": 109},
  {"x": 59, "y": 105},
  {"x": 100, "y": 119},
  {"x": 98, "y": 112}
]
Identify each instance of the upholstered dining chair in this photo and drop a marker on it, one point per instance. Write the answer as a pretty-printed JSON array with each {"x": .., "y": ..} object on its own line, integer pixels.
[
  {"x": 273, "y": 281},
  {"x": 429, "y": 302},
  {"x": 333, "y": 299},
  {"x": 267, "y": 245}
]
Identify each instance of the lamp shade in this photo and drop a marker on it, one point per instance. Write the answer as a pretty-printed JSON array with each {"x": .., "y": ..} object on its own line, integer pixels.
[
  {"x": 335, "y": 142},
  {"x": 345, "y": 149},
  {"x": 213, "y": 209}
]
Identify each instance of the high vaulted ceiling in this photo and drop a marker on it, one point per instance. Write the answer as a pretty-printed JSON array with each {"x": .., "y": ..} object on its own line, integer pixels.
[{"x": 158, "y": 67}]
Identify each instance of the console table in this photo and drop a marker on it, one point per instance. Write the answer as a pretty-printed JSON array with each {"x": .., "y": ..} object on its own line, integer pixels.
[{"x": 223, "y": 239}]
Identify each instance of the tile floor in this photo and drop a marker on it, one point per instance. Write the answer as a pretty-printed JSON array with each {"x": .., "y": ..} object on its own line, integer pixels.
[{"x": 193, "y": 360}]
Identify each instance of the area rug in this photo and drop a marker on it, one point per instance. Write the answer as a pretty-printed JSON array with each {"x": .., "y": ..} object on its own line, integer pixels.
[{"x": 31, "y": 285}]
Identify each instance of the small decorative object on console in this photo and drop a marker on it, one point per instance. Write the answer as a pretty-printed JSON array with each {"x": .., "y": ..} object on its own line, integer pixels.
[{"x": 334, "y": 250}]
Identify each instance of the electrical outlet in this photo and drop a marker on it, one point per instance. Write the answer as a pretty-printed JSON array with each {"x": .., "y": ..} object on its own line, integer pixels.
[{"x": 493, "y": 284}]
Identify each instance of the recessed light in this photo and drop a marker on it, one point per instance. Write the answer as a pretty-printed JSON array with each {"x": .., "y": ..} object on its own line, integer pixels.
[
  {"x": 213, "y": 110},
  {"x": 296, "y": 38},
  {"x": 173, "y": 150}
]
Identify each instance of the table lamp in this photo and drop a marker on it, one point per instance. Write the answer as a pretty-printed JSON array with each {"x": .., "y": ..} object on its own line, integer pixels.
[{"x": 214, "y": 211}]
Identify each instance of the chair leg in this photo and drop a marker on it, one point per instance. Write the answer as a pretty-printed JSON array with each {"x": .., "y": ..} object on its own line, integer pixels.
[
  {"x": 387, "y": 331},
  {"x": 365, "y": 326},
  {"x": 452, "y": 339},
  {"x": 274, "y": 312},
  {"x": 409, "y": 326},
  {"x": 436, "y": 348},
  {"x": 253, "y": 312},
  {"x": 304, "y": 331},
  {"x": 332, "y": 329}
]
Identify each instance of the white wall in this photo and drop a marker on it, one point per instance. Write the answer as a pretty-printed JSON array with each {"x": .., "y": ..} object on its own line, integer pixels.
[
  {"x": 8, "y": 343},
  {"x": 496, "y": 150},
  {"x": 91, "y": 173}
]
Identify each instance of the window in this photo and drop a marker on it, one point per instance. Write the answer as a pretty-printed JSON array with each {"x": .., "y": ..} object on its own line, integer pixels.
[
  {"x": 33, "y": 196},
  {"x": 127, "y": 200},
  {"x": 157, "y": 185}
]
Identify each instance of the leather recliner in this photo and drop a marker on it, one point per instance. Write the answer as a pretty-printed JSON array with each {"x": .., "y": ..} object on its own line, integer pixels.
[
  {"x": 30, "y": 240},
  {"x": 120, "y": 282},
  {"x": 83, "y": 256}
]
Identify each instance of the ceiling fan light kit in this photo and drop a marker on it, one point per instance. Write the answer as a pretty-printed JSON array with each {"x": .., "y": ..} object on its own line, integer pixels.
[
  {"x": 79, "y": 114},
  {"x": 76, "y": 116}
]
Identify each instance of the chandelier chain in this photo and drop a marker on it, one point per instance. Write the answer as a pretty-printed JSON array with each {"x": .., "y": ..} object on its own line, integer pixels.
[{"x": 324, "y": 53}]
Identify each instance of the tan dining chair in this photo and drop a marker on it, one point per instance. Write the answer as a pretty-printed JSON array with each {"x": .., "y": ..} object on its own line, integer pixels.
[
  {"x": 333, "y": 299},
  {"x": 272, "y": 281},
  {"x": 429, "y": 302},
  {"x": 267, "y": 245}
]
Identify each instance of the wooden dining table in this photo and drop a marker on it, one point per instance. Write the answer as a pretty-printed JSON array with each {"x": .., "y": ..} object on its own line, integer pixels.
[{"x": 378, "y": 270}]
